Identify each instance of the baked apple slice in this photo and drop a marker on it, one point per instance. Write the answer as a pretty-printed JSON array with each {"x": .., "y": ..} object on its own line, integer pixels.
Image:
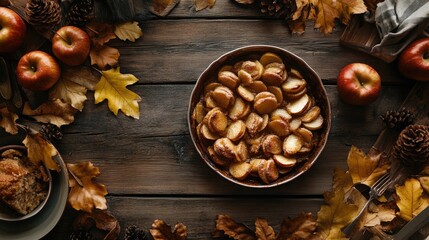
[
  {"x": 292, "y": 144},
  {"x": 284, "y": 162},
  {"x": 298, "y": 106},
  {"x": 236, "y": 130},
  {"x": 315, "y": 124},
  {"x": 240, "y": 170}
]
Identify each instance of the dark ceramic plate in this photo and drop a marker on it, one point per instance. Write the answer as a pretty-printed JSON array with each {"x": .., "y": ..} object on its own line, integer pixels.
[
  {"x": 45, "y": 220},
  {"x": 314, "y": 86}
]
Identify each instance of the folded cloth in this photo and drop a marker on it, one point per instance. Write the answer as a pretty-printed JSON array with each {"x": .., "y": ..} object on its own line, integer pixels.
[{"x": 399, "y": 22}]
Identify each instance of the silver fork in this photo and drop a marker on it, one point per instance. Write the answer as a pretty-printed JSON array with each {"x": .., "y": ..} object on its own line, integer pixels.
[{"x": 375, "y": 191}]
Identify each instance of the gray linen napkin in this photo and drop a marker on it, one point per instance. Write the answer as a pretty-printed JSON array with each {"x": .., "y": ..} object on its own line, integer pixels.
[{"x": 399, "y": 22}]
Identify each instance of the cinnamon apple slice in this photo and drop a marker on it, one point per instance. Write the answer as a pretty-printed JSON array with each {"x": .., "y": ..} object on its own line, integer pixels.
[
  {"x": 217, "y": 121},
  {"x": 265, "y": 102},
  {"x": 254, "y": 163},
  {"x": 277, "y": 93},
  {"x": 282, "y": 114},
  {"x": 239, "y": 110},
  {"x": 254, "y": 123},
  {"x": 223, "y": 162},
  {"x": 245, "y": 93},
  {"x": 223, "y": 96},
  {"x": 241, "y": 152},
  {"x": 284, "y": 162},
  {"x": 306, "y": 134},
  {"x": 311, "y": 114},
  {"x": 292, "y": 144},
  {"x": 298, "y": 106},
  {"x": 294, "y": 124},
  {"x": 205, "y": 133},
  {"x": 236, "y": 130},
  {"x": 271, "y": 145},
  {"x": 240, "y": 170},
  {"x": 295, "y": 73},
  {"x": 293, "y": 85},
  {"x": 270, "y": 57},
  {"x": 228, "y": 79},
  {"x": 258, "y": 86},
  {"x": 224, "y": 148},
  {"x": 315, "y": 124},
  {"x": 199, "y": 112},
  {"x": 279, "y": 127}
]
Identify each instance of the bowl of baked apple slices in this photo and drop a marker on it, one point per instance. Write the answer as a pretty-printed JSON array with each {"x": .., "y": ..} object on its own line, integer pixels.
[{"x": 259, "y": 116}]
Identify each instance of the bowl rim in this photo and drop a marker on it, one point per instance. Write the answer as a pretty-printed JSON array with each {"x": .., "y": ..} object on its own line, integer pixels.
[
  {"x": 248, "y": 49},
  {"x": 17, "y": 217},
  {"x": 43, "y": 222}
]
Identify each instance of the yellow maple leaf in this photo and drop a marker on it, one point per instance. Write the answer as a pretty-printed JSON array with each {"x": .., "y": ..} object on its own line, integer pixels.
[
  {"x": 334, "y": 215},
  {"x": 104, "y": 57},
  {"x": 8, "y": 121},
  {"x": 84, "y": 194},
  {"x": 365, "y": 168},
  {"x": 411, "y": 200},
  {"x": 40, "y": 150},
  {"x": 112, "y": 86},
  {"x": 128, "y": 31},
  {"x": 55, "y": 112}
]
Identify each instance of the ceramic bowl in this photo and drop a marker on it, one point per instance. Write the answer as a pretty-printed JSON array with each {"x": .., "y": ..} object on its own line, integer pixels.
[
  {"x": 42, "y": 222},
  {"x": 315, "y": 88}
]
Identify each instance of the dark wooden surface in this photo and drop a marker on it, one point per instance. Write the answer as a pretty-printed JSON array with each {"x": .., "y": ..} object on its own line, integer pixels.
[{"x": 150, "y": 166}]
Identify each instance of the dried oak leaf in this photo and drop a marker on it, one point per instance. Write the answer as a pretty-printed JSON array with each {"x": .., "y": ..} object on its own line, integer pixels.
[
  {"x": 263, "y": 230},
  {"x": 299, "y": 228},
  {"x": 128, "y": 31},
  {"x": 329, "y": 10},
  {"x": 40, "y": 150},
  {"x": 102, "y": 219},
  {"x": 100, "y": 32},
  {"x": 8, "y": 121},
  {"x": 104, "y": 57},
  {"x": 85, "y": 194},
  {"x": 203, "y": 4},
  {"x": 69, "y": 91},
  {"x": 363, "y": 168},
  {"x": 410, "y": 199},
  {"x": 112, "y": 86},
  {"x": 56, "y": 112},
  {"x": 232, "y": 229},
  {"x": 424, "y": 181},
  {"x": 162, "y": 231},
  {"x": 334, "y": 215}
]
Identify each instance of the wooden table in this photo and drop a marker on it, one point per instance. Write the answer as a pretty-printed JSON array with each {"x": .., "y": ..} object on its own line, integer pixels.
[{"x": 150, "y": 166}]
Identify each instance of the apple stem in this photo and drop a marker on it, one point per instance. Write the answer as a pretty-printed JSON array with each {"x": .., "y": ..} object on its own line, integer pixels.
[{"x": 65, "y": 40}]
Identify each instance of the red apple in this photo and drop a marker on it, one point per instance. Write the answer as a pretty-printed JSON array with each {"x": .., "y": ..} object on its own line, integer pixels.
[
  {"x": 71, "y": 45},
  {"x": 12, "y": 30},
  {"x": 414, "y": 60},
  {"x": 358, "y": 84},
  {"x": 37, "y": 71}
]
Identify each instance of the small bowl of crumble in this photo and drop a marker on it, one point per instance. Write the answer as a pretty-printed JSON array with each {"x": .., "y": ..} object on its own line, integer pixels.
[
  {"x": 259, "y": 116},
  {"x": 32, "y": 197}
]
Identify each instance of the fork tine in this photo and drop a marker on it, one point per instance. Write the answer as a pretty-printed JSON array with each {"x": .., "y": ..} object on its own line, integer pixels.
[{"x": 382, "y": 184}]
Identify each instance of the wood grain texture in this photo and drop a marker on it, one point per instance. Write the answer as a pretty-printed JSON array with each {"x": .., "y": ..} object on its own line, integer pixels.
[
  {"x": 173, "y": 51},
  {"x": 198, "y": 214},
  {"x": 158, "y": 154}
]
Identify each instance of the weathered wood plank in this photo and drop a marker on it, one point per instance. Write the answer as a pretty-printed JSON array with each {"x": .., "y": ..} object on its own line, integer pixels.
[
  {"x": 157, "y": 150},
  {"x": 179, "y": 50},
  {"x": 198, "y": 214}
]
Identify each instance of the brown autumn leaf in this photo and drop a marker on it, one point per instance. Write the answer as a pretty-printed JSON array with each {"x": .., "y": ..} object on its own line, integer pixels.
[
  {"x": 8, "y": 121},
  {"x": 347, "y": 8},
  {"x": 56, "y": 112},
  {"x": 299, "y": 228},
  {"x": 82, "y": 75},
  {"x": 203, "y": 4},
  {"x": 378, "y": 214},
  {"x": 232, "y": 229},
  {"x": 162, "y": 7},
  {"x": 162, "y": 231},
  {"x": 100, "y": 32},
  {"x": 104, "y": 57},
  {"x": 411, "y": 200},
  {"x": 39, "y": 150},
  {"x": 70, "y": 92},
  {"x": 85, "y": 194},
  {"x": 263, "y": 230},
  {"x": 102, "y": 219},
  {"x": 334, "y": 215},
  {"x": 424, "y": 181},
  {"x": 363, "y": 168},
  {"x": 128, "y": 31},
  {"x": 113, "y": 88}
]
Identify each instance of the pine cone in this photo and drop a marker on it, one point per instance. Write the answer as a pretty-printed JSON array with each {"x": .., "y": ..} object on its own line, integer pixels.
[
  {"x": 51, "y": 132},
  {"x": 43, "y": 14},
  {"x": 80, "y": 12},
  {"x": 398, "y": 119},
  {"x": 81, "y": 235},
  {"x": 278, "y": 8},
  {"x": 412, "y": 146},
  {"x": 134, "y": 233}
]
